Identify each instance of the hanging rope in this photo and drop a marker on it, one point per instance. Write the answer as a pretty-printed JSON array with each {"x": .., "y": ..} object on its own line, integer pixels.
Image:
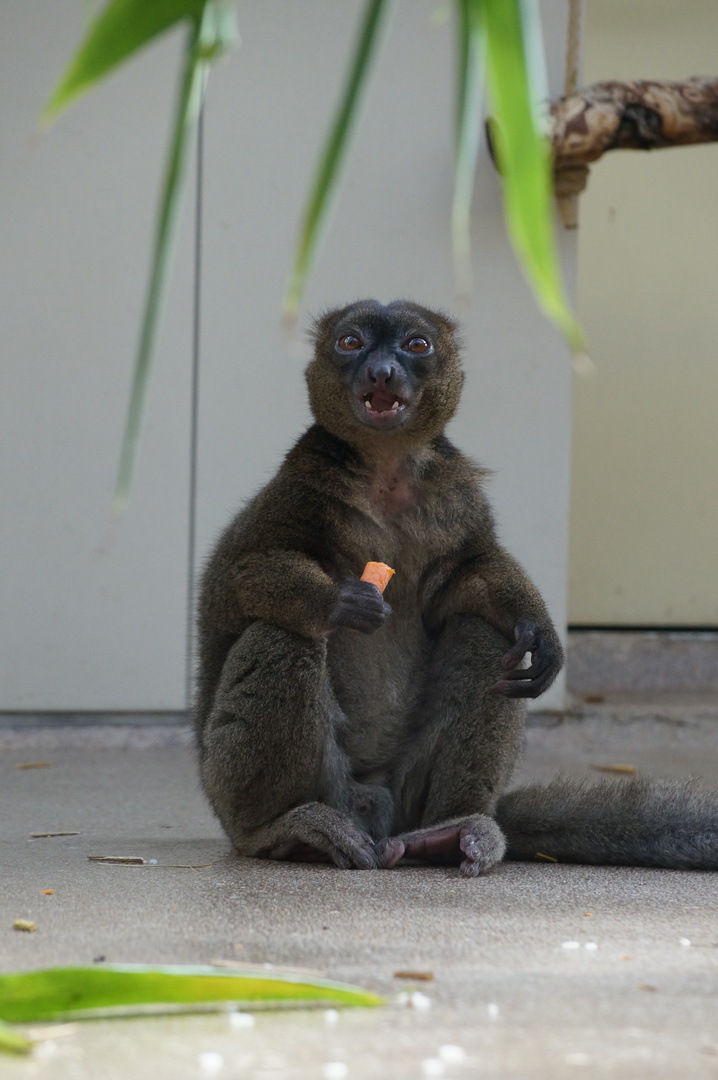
[{"x": 573, "y": 50}]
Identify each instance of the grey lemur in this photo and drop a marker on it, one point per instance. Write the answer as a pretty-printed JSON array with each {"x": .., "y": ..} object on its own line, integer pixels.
[{"x": 334, "y": 726}]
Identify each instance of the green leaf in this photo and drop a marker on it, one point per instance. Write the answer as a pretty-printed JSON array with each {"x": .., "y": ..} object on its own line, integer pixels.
[
  {"x": 188, "y": 105},
  {"x": 471, "y": 43},
  {"x": 333, "y": 155},
  {"x": 209, "y": 39},
  {"x": 53, "y": 993},
  {"x": 523, "y": 153},
  {"x": 120, "y": 30},
  {"x": 11, "y": 1042}
]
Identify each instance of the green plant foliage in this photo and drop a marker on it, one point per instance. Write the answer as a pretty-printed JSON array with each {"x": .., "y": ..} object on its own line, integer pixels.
[
  {"x": 54, "y": 993},
  {"x": 121, "y": 29},
  {"x": 524, "y": 159},
  {"x": 190, "y": 100},
  {"x": 497, "y": 34},
  {"x": 333, "y": 155},
  {"x": 210, "y": 38},
  {"x": 11, "y": 1042}
]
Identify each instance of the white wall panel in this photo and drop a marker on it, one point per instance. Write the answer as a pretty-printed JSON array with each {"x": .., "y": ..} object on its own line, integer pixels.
[
  {"x": 644, "y": 524},
  {"x": 85, "y": 625}
]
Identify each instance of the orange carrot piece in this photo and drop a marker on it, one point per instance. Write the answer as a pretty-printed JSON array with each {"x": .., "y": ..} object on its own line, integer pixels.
[{"x": 379, "y": 574}]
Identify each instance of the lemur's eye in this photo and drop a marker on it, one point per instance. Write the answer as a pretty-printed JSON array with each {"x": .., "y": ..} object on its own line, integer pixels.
[
  {"x": 417, "y": 345},
  {"x": 349, "y": 343}
]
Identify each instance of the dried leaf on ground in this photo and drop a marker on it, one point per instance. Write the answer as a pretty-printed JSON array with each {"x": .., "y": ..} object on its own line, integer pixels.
[
  {"x": 421, "y": 976},
  {"x": 24, "y": 924},
  {"x": 135, "y": 860},
  {"x": 47, "y": 835}
]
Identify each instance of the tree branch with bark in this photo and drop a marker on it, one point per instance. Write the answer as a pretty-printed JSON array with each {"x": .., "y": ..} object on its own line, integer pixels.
[{"x": 637, "y": 115}]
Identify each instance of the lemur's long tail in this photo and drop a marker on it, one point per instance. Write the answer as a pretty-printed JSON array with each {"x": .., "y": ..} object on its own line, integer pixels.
[{"x": 632, "y": 822}]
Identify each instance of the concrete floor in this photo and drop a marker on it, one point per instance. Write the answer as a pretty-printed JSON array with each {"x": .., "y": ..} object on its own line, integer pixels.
[{"x": 504, "y": 989}]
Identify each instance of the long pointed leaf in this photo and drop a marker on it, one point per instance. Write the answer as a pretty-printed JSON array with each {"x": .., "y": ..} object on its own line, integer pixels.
[
  {"x": 333, "y": 156},
  {"x": 524, "y": 160},
  {"x": 209, "y": 38},
  {"x": 121, "y": 29},
  {"x": 190, "y": 98},
  {"x": 471, "y": 42},
  {"x": 53, "y": 993}
]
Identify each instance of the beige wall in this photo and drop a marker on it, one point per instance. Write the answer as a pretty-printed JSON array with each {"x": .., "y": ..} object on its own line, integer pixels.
[
  {"x": 644, "y": 521},
  {"x": 87, "y": 625}
]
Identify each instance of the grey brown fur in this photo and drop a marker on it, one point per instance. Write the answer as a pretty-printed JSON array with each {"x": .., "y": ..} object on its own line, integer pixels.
[
  {"x": 634, "y": 822},
  {"x": 332, "y": 724}
]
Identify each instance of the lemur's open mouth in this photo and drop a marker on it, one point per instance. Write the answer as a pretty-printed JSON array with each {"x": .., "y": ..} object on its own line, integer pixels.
[{"x": 383, "y": 402}]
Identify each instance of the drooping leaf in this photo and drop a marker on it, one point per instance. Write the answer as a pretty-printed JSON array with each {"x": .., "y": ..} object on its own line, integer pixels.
[
  {"x": 53, "y": 993},
  {"x": 209, "y": 38},
  {"x": 333, "y": 154},
  {"x": 471, "y": 50},
  {"x": 12, "y": 1042},
  {"x": 120, "y": 30},
  {"x": 523, "y": 153}
]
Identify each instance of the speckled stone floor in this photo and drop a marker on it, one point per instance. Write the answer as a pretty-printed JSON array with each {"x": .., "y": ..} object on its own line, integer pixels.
[{"x": 505, "y": 989}]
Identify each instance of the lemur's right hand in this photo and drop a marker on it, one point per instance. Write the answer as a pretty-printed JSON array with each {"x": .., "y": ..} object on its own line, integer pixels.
[{"x": 360, "y": 606}]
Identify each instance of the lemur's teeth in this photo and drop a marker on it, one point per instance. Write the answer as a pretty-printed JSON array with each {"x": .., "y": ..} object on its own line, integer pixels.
[
  {"x": 395, "y": 405},
  {"x": 367, "y": 404}
]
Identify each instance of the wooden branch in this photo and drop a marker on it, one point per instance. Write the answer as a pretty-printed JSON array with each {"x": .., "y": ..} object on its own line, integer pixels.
[{"x": 640, "y": 115}]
